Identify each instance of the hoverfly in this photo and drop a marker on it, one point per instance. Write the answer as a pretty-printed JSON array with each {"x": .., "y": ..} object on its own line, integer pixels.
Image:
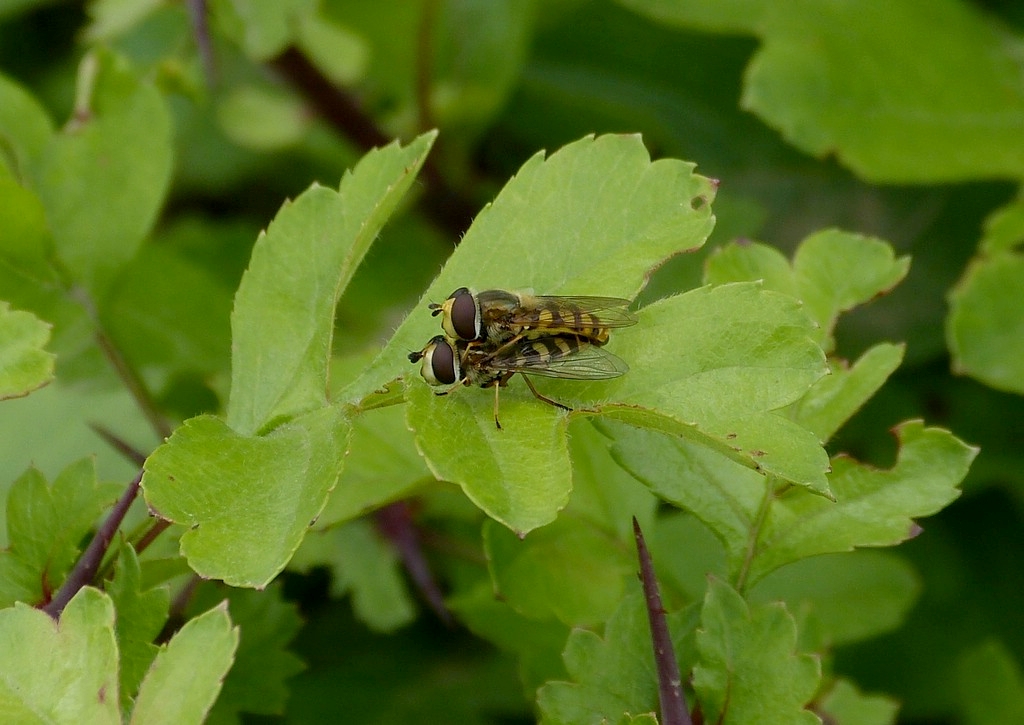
[
  {"x": 572, "y": 357},
  {"x": 497, "y": 316}
]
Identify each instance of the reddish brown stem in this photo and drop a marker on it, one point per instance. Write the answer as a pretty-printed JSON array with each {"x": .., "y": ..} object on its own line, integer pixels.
[
  {"x": 89, "y": 562},
  {"x": 670, "y": 684}
]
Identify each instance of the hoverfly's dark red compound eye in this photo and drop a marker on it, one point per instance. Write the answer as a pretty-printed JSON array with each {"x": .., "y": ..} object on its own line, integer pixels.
[
  {"x": 465, "y": 314},
  {"x": 443, "y": 363}
]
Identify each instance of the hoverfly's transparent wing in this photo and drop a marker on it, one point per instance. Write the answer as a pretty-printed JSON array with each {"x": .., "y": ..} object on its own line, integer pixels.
[
  {"x": 558, "y": 357},
  {"x": 582, "y": 312}
]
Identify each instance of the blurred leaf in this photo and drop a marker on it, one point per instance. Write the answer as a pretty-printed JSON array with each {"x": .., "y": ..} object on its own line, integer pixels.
[
  {"x": 537, "y": 644},
  {"x": 841, "y": 82},
  {"x": 748, "y": 669},
  {"x": 473, "y": 73},
  {"x": 256, "y": 682},
  {"x": 25, "y": 128},
  {"x": 339, "y": 53},
  {"x": 568, "y": 570},
  {"x": 51, "y": 426},
  {"x": 723, "y": 16},
  {"x": 382, "y": 466},
  {"x": 168, "y": 312},
  {"x": 853, "y": 595},
  {"x": 261, "y": 118},
  {"x": 846, "y": 705},
  {"x": 141, "y": 615},
  {"x": 833, "y": 272},
  {"x": 110, "y": 18},
  {"x": 30, "y": 281},
  {"x": 427, "y": 675},
  {"x": 603, "y": 493},
  {"x": 365, "y": 565},
  {"x": 1004, "y": 228},
  {"x": 186, "y": 675},
  {"x": 62, "y": 672},
  {"x": 246, "y": 500},
  {"x": 104, "y": 177},
  {"x": 991, "y": 685},
  {"x": 24, "y": 364},
  {"x": 612, "y": 676},
  {"x": 45, "y": 529},
  {"x": 262, "y": 29},
  {"x": 282, "y": 321},
  {"x": 985, "y": 320},
  {"x": 25, "y": 241}
]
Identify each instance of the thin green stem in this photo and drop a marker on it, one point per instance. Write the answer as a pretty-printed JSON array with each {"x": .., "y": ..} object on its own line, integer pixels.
[
  {"x": 133, "y": 382},
  {"x": 755, "y": 532}
]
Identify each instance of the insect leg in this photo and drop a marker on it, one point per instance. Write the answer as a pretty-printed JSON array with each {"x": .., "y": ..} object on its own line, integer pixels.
[
  {"x": 498, "y": 383},
  {"x": 544, "y": 397}
]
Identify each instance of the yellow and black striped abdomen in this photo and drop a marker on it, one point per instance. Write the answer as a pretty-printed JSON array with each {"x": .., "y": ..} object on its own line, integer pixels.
[{"x": 558, "y": 318}]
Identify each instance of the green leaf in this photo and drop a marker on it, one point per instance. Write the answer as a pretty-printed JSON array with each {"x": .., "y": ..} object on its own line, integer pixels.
[
  {"x": 45, "y": 528},
  {"x": 364, "y": 565},
  {"x": 835, "y": 398},
  {"x": 104, "y": 177},
  {"x": 747, "y": 353},
  {"x": 762, "y": 530},
  {"x": 613, "y": 676},
  {"x": 25, "y": 128},
  {"x": 186, "y": 676},
  {"x": 748, "y": 669},
  {"x": 832, "y": 272},
  {"x": 246, "y": 500},
  {"x": 283, "y": 319},
  {"x": 983, "y": 330},
  {"x": 991, "y": 685},
  {"x": 256, "y": 683},
  {"x": 62, "y": 672},
  {"x": 382, "y": 466},
  {"x": 873, "y": 507},
  {"x": 140, "y": 617},
  {"x": 845, "y": 704},
  {"x": 568, "y": 570},
  {"x": 24, "y": 364},
  {"x": 594, "y": 218},
  {"x": 457, "y": 436},
  {"x": 836, "y": 82},
  {"x": 853, "y": 596}
]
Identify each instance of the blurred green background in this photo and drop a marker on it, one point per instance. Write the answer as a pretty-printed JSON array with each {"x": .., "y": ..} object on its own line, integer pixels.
[{"x": 902, "y": 120}]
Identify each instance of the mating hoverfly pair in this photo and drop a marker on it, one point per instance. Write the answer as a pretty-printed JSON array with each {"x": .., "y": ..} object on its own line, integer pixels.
[{"x": 493, "y": 334}]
